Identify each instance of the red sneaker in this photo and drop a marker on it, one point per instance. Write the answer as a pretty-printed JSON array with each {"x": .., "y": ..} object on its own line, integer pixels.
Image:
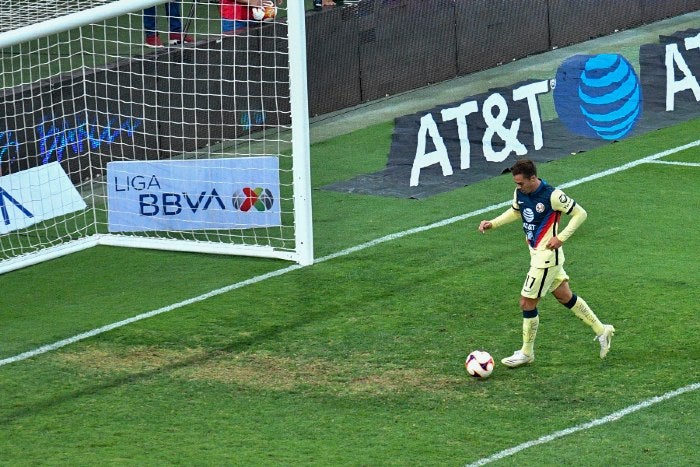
[
  {"x": 177, "y": 38},
  {"x": 153, "y": 41}
]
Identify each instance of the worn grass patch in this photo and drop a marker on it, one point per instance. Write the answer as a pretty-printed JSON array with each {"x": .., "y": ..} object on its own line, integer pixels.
[{"x": 261, "y": 371}]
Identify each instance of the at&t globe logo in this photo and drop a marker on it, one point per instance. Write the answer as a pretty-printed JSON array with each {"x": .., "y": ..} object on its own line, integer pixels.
[{"x": 598, "y": 96}]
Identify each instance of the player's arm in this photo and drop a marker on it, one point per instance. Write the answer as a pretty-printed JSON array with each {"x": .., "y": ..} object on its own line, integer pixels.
[
  {"x": 578, "y": 215},
  {"x": 563, "y": 203},
  {"x": 510, "y": 215}
]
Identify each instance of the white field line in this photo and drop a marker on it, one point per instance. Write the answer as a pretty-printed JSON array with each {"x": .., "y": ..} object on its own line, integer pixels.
[
  {"x": 347, "y": 251},
  {"x": 585, "y": 426},
  {"x": 684, "y": 164}
]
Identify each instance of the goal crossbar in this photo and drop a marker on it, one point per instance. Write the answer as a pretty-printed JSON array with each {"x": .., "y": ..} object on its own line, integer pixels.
[{"x": 74, "y": 20}]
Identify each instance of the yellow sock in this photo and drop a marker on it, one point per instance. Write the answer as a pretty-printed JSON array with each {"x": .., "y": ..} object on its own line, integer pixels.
[
  {"x": 584, "y": 312},
  {"x": 530, "y": 326}
]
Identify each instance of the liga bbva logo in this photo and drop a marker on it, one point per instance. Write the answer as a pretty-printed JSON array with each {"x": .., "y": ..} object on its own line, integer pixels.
[
  {"x": 598, "y": 96},
  {"x": 260, "y": 199}
]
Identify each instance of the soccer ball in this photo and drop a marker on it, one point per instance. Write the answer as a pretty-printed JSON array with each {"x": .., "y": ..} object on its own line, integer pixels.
[
  {"x": 265, "y": 13},
  {"x": 479, "y": 364}
]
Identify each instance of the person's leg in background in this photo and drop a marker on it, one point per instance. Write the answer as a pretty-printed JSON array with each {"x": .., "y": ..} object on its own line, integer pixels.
[{"x": 149, "y": 28}]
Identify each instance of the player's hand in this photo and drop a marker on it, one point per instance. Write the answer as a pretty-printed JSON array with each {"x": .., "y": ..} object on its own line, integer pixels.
[
  {"x": 554, "y": 243},
  {"x": 484, "y": 226}
]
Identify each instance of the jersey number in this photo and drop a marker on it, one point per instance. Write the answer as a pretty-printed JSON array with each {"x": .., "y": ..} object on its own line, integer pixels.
[{"x": 529, "y": 282}]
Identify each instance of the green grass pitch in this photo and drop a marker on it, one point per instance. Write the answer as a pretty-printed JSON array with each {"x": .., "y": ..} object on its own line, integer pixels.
[{"x": 358, "y": 359}]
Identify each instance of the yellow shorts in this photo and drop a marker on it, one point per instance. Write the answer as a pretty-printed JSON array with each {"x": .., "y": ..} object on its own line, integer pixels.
[{"x": 540, "y": 281}]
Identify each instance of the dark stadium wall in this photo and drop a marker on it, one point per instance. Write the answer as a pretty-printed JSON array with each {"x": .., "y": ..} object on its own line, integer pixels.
[
  {"x": 377, "y": 48},
  {"x": 355, "y": 54},
  {"x": 75, "y": 130},
  {"x": 655, "y": 10},
  {"x": 332, "y": 54},
  {"x": 232, "y": 86},
  {"x": 405, "y": 45},
  {"x": 491, "y": 32},
  {"x": 146, "y": 101},
  {"x": 577, "y": 21}
]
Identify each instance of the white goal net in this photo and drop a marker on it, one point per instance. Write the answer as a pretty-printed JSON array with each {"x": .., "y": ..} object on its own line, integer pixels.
[{"x": 136, "y": 123}]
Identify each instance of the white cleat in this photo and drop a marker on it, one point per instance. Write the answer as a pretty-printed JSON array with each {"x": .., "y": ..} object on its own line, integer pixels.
[
  {"x": 605, "y": 339},
  {"x": 518, "y": 359}
]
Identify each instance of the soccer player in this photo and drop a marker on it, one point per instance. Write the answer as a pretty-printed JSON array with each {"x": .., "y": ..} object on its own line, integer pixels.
[{"x": 540, "y": 206}]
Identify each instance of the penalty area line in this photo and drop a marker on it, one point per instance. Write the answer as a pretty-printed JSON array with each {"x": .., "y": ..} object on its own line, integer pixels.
[
  {"x": 387, "y": 238},
  {"x": 585, "y": 426}
]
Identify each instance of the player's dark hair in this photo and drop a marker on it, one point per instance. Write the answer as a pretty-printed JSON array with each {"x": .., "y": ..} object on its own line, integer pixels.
[{"x": 524, "y": 167}]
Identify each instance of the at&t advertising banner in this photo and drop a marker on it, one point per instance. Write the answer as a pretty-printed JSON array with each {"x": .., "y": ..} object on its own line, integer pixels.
[
  {"x": 193, "y": 194},
  {"x": 597, "y": 99}
]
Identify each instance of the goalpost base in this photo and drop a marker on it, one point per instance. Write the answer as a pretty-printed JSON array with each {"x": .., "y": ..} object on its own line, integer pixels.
[
  {"x": 168, "y": 244},
  {"x": 163, "y": 244},
  {"x": 45, "y": 254}
]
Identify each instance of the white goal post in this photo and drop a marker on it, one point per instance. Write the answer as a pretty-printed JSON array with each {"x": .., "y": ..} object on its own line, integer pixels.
[{"x": 197, "y": 140}]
